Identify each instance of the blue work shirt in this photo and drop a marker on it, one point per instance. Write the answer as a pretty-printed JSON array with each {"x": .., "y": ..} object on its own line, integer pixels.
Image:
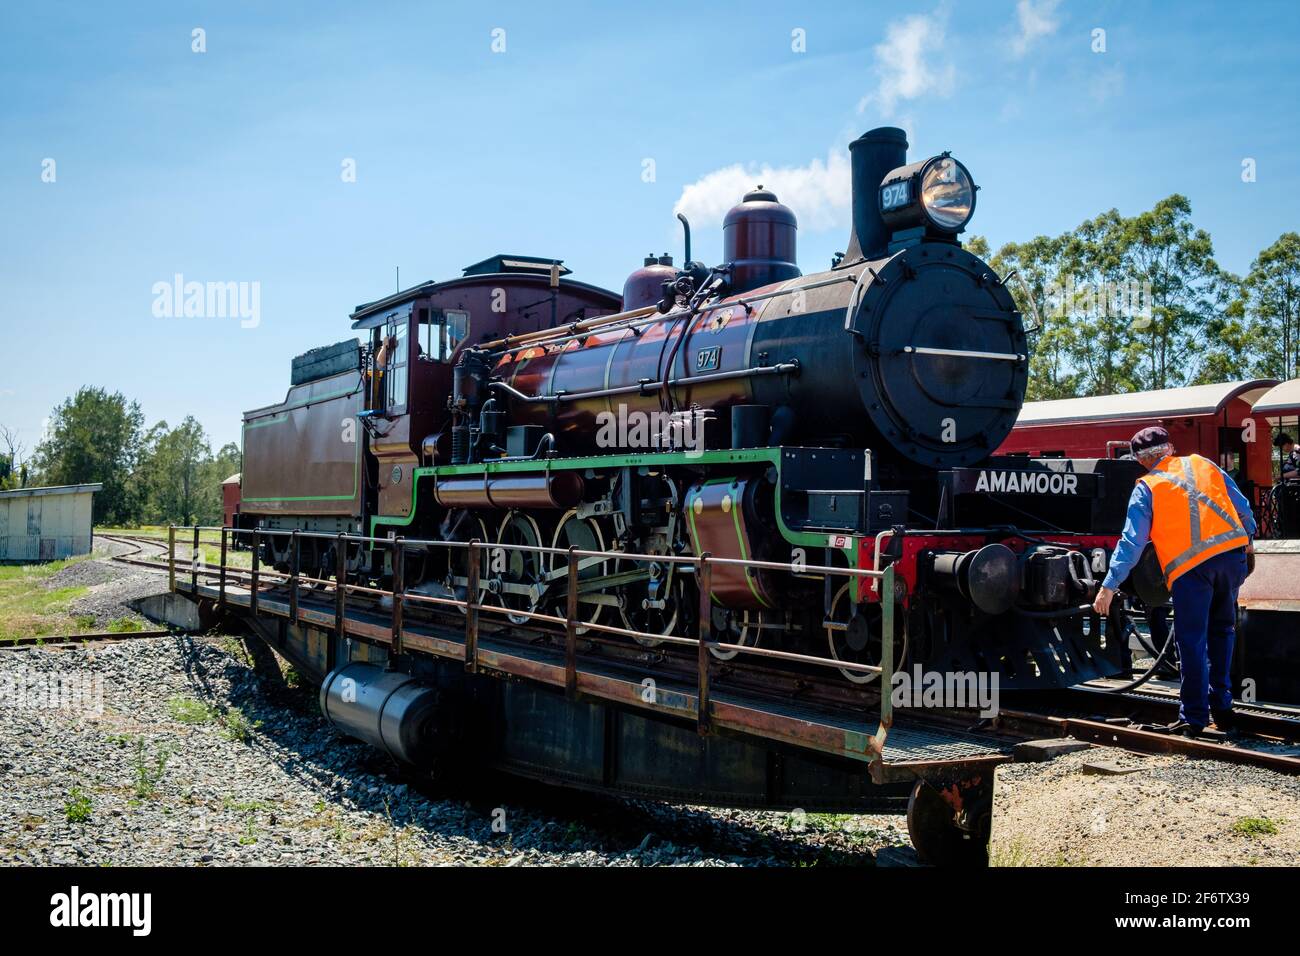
[{"x": 1137, "y": 528}]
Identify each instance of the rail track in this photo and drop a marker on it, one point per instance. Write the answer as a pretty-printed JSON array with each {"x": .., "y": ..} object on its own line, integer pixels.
[
  {"x": 138, "y": 556},
  {"x": 54, "y": 642},
  {"x": 1155, "y": 707}
]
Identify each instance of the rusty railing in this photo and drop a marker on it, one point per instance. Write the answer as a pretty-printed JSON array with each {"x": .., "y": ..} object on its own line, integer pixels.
[{"x": 476, "y": 583}]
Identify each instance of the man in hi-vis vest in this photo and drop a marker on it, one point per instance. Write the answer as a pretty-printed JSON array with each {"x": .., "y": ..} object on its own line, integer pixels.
[{"x": 1202, "y": 529}]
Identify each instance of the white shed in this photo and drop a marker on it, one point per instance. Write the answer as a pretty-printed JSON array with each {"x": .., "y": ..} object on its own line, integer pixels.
[{"x": 45, "y": 524}]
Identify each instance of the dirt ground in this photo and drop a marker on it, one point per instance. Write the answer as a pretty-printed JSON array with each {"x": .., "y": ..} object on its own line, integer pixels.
[{"x": 1170, "y": 811}]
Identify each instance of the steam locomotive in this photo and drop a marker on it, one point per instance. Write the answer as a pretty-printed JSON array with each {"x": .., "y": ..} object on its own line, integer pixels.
[{"x": 843, "y": 418}]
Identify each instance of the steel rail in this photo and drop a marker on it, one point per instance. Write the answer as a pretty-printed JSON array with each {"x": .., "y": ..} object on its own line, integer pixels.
[{"x": 40, "y": 640}]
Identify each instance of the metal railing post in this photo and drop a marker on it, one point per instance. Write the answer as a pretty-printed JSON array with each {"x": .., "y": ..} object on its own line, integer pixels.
[
  {"x": 571, "y": 627},
  {"x": 295, "y": 554},
  {"x": 194, "y": 564},
  {"x": 171, "y": 557},
  {"x": 340, "y": 601},
  {"x": 471, "y": 608},
  {"x": 887, "y": 624},
  {"x": 703, "y": 721},
  {"x": 257, "y": 555},
  {"x": 221, "y": 580},
  {"x": 399, "y": 589}
]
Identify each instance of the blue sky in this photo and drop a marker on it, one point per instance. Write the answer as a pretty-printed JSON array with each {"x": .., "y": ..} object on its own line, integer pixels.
[{"x": 227, "y": 165}]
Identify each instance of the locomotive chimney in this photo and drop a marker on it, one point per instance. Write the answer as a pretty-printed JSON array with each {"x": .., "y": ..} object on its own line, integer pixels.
[{"x": 872, "y": 155}]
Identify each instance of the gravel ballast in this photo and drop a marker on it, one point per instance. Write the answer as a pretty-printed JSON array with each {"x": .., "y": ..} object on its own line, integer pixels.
[
  {"x": 198, "y": 758},
  {"x": 112, "y": 586}
]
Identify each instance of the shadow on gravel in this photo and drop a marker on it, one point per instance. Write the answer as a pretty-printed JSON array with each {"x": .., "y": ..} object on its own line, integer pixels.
[{"x": 466, "y": 803}]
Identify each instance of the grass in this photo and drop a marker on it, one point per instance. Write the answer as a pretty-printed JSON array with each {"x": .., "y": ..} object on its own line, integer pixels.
[
  {"x": 124, "y": 625},
  {"x": 1255, "y": 827},
  {"x": 192, "y": 711},
  {"x": 189, "y": 710},
  {"x": 1015, "y": 854},
  {"x": 237, "y": 726},
  {"x": 235, "y": 647},
  {"x": 30, "y": 609}
]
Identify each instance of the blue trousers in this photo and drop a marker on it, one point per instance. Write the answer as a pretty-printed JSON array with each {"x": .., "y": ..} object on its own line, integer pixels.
[{"x": 1205, "y": 627}]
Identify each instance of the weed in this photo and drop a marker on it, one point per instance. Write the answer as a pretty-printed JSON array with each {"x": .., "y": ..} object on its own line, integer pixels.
[
  {"x": 76, "y": 809},
  {"x": 149, "y": 772},
  {"x": 1255, "y": 827}
]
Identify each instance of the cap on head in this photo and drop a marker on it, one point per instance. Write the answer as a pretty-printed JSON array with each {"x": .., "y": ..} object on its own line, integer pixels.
[{"x": 1148, "y": 438}]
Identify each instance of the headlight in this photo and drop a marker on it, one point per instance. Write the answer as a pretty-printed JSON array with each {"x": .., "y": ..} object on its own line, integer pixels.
[
  {"x": 947, "y": 193},
  {"x": 936, "y": 194}
]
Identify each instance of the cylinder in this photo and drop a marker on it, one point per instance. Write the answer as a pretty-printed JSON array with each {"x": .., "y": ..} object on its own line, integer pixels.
[
  {"x": 560, "y": 489},
  {"x": 386, "y": 709},
  {"x": 989, "y": 577},
  {"x": 872, "y": 155},
  {"x": 758, "y": 241}
]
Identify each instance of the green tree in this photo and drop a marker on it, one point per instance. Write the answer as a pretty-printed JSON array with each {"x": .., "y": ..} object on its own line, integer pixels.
[
  {"x": 1096, "y": 305},
  {"x": 1032, "y": 271},
  {"x": 1126, "y": 304},
  {"x": 1189, "y": 291},
  {"x": 978, "y": 246},
  {"x": 12, "y": 470},
  {"x": 92, "y": 437},
  {"x": 171, "y": 464},
  {"x": 1272, "y": 289}
]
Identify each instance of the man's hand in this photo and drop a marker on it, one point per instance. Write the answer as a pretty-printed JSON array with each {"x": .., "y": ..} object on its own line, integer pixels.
[
  {"x": 1250, "y": 547},
  {"x": 1102, "y": 604}
]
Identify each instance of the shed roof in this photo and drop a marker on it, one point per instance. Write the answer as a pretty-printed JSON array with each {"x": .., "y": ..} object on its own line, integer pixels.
[
  {"x": 49, "y": 490},
  {"x": 1190, "y": 400},
  {"x": 232, "y": 480},
  {"x": 1280, "y": 399}
]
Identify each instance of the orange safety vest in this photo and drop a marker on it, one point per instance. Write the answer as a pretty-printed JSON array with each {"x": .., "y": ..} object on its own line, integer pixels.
[{"x": 1193, "y": 519}]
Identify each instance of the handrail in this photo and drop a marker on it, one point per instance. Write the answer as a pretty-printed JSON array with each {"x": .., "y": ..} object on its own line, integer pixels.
[{"x": 472, "y": 604}]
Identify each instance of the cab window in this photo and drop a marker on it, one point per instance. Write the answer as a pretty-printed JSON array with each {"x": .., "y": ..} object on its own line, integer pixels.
[
  {"x": 441, "y": 332},
  {"x": 396, "y": 370}
]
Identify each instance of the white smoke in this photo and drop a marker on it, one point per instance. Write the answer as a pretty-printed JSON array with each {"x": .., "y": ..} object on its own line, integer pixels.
[
  {"x": 907, "y": 63},
  {"x": 818, "y": 192}
]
